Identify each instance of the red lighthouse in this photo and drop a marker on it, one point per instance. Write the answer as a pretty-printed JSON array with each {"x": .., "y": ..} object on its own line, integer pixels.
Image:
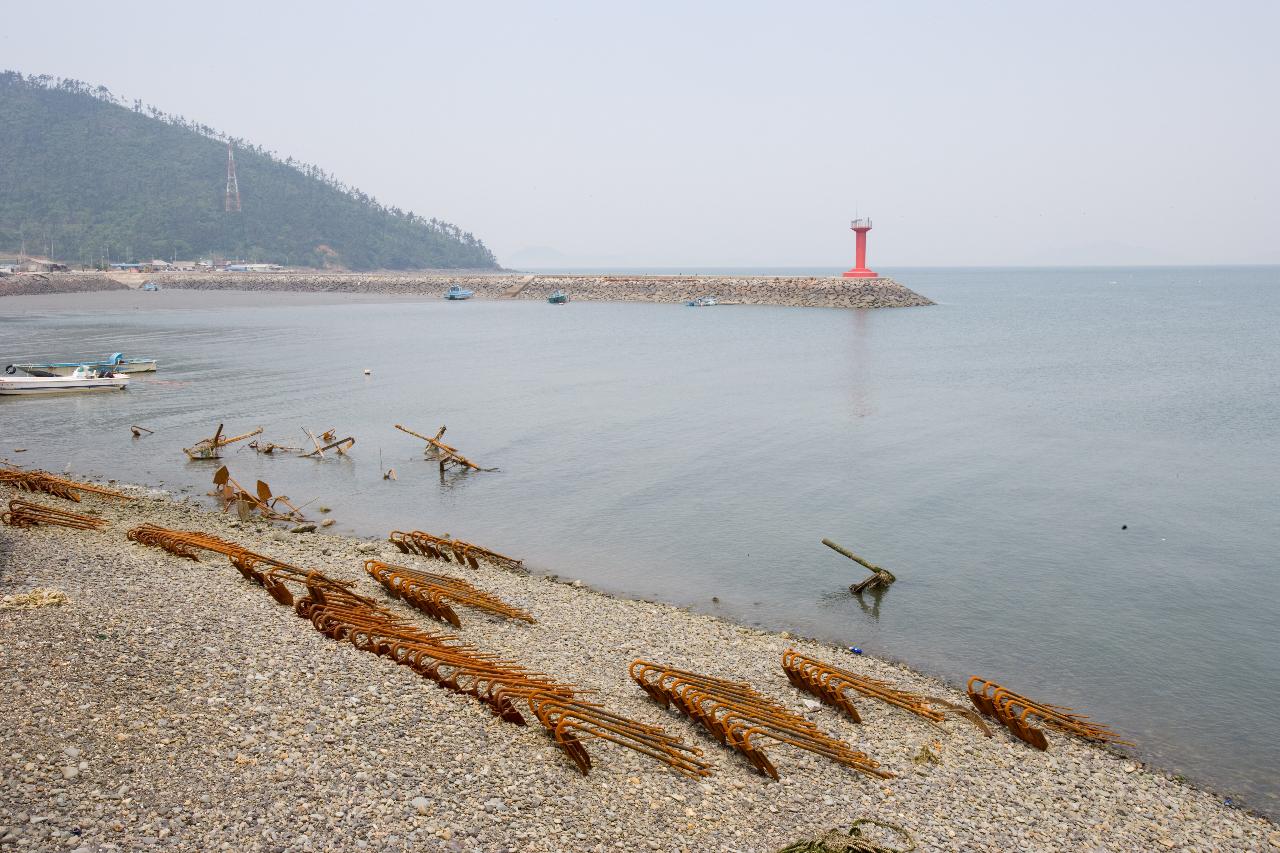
[{"x": 861, "y": 227}]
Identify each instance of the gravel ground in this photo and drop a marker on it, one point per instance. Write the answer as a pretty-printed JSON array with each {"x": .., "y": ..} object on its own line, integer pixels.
[{"x": 174, "y": 705}]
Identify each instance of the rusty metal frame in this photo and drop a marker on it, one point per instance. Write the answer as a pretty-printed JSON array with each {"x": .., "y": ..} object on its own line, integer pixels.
[
  {"x": 737, "y": 715},
  {"x": 451, "y": 550},
  {"x": 1016, "y": 712},
  {"x": 428, "y": 592},
  {"x": 26, "y": 514}
]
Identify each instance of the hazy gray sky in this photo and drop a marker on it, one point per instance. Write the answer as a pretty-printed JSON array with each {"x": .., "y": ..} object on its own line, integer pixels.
[{"x": 738, "y": 133}]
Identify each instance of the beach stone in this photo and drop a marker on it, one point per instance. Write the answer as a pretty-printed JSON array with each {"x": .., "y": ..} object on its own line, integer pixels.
[
  {"x": 422, "y": 804},
  {"x": 70, "y": 772},
  {"x": 307, "y": 527}
]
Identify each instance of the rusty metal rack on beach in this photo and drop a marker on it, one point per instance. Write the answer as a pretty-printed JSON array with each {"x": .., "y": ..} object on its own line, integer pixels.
[
  {"x": 430, "y": 593},
  {"x": 42, "y": 481},
  {"x": 1016, "y": 713},
  {"x": 737, "y": 716},
  {"x": 833, "y": 684},
  {"x": 504, "y": 686},
  {"x": 450, "y": 550},
  {"x": 26, "y": 514}
]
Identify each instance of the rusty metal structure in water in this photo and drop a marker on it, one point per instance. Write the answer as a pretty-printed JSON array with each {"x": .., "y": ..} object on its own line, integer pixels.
[
  {"x": 430, "y": 593},
  {"x": 508, "y": 689},
  {"x": 739, "y": 717},
  {"x": 1016, "y": 713},
  {"x": 451, "y": 550},
  {"x": 261, "y": 500}
]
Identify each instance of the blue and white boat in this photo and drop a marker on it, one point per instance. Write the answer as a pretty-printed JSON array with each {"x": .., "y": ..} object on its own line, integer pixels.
[
  {"x": 458, "y": 292},
  {"x": 701, "y": 301},
  {"x": 117, "y": 362}
]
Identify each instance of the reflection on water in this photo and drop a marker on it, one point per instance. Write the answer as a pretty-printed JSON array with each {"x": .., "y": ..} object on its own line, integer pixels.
[{"x": 987, "y": 450}]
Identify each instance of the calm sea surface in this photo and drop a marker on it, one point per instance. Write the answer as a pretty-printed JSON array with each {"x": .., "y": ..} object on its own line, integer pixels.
[{"x": 988, "y": 450}]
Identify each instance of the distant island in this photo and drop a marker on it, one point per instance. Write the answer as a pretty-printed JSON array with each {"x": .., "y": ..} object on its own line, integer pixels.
[{"x": 87, "y": 179}]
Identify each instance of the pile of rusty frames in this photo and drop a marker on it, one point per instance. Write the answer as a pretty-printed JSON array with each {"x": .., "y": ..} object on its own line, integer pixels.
[
  {"x": 441, "y": 547},
  {"x": 1016, "y": 713},
  {"x": 41, "y": 481},
  {"x": 334, "y": 609},
  {"x": 428, "y": 592},
  {"x": 26, "y": 514},
  {"x": 831, "y": 684},
  {"x": 735, "y": 713}
]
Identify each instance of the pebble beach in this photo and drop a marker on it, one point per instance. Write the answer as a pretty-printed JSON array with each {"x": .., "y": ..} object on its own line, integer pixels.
[{"x": 157, "y": 702}]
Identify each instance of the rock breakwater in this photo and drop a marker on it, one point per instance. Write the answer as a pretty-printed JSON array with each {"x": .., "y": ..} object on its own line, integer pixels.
[
  {"x": 813, "y": 291},
  {"x": 32, "y": 284}
]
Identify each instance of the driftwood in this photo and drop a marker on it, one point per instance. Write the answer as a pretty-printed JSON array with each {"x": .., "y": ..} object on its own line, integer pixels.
[
  {"x": 880, "y": 577},
  {"x": 437, "y": 449},
  {"x": 139, "y": 430},
  {"x": 209, "y": 448}
]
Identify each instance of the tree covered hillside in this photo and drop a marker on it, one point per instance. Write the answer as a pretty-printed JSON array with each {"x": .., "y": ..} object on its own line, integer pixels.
[{"x": 91, "y": 177}]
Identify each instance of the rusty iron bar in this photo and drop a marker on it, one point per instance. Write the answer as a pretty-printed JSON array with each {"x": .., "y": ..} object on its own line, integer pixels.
[
  {"x": 832, "y": 684},
  {"x": 437, "y": 449},
  {"x": 43, "y": 481},
  {"x": 504, "y": 686},
  {"x": 1016, "y": 712},
  {"x": 427, "y": 592},
  {"x": 451, "y": 550},
  {"x": 26, "y": 514},
  {"x": 735, "y": 714},
  {"x": 210, "y": 448}
]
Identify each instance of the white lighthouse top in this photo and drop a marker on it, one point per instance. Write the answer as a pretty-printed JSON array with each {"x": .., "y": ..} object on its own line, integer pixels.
[{"x": 861, "y": 222}]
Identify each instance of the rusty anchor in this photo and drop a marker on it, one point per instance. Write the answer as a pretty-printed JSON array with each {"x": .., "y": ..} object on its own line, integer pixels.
[
  {"x": 211, "y": 448},
  {"x": 443, "y": 453},
  {"x": 261, "y": 499}
]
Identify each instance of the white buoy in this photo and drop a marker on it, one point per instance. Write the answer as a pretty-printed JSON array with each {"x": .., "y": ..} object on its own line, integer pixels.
[{"x": 368, "y": 372}]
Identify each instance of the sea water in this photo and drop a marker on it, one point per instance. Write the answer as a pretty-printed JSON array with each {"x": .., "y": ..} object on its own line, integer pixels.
[{"x": 1073, "y": 472}]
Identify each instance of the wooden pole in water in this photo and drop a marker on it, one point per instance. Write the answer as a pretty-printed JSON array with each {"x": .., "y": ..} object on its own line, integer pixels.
[{"x": 840, "y": 549}]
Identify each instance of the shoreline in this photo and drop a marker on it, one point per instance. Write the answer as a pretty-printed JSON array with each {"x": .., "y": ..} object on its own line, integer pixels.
[
  {"x": 137, "y": 619},
  {"x": 795, "y": 291}
]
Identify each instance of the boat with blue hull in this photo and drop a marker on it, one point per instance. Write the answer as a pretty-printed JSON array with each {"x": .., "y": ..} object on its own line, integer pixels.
[{"x": 117, "y": 362}]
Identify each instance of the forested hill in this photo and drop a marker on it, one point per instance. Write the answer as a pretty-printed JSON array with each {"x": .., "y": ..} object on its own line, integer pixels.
[{"x": 90, "y": 176}]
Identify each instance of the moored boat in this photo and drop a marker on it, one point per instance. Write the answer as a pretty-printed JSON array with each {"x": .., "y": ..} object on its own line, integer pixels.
[
  {"x": 701, "y": 301},
  {"x": 117, "y": 362},
  {"x": 84, "y": 378},
  {"x": 558, "y": 298},
  {"x": 457, "y": 292}
]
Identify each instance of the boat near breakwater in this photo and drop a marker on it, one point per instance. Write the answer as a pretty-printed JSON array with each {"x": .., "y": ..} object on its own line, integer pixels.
[
  {"x": 117, "y": 362},
  {"x": 86, "y": 377}
]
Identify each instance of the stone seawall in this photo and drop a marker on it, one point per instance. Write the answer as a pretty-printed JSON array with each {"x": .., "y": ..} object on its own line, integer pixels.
[
  {"x": 29, "y": 284},
  {"x": 743, "y": 290}
]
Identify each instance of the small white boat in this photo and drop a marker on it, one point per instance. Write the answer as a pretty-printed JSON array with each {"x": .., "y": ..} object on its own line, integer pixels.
[
  {"x": 85, "y": 378},
  {"x": 117, "y": 362},
  {"x": 701, "y": 302}
]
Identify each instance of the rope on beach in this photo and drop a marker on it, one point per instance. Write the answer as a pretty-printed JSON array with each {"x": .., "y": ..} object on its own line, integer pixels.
[{"x": 852, "y": 840}]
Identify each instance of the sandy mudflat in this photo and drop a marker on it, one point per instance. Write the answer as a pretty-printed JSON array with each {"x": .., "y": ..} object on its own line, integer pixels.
[{"x": 174, "y": 705}]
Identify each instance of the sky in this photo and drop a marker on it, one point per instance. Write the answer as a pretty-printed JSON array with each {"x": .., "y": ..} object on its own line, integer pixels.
[{"x": 671, "y": 134}]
